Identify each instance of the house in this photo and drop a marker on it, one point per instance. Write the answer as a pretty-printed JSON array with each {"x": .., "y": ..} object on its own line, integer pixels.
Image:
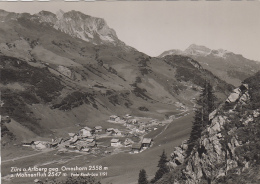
[
  {"x": 59, "y": 140},
  {"x": 136, "y": 147},
  {"x": 28, "y": 142},
  {"x": 80, "y": 147},
  {"x": 91, "y": 137},
  {"x": 146, "y": 142},
  {"x": 114, "y": 118},
  {"x": 87, "y": 128},
  {"x": 121, "y": 121},
  {"x": 54, "y": 144},
  {"x": 153, "y": 123},
  {"x": 41, "y": 145},
  {"x": 74, "y": 139},
  {"x": 133, "y": 121},
  {"x": 38, "y": 181},
  {"x": 140, "y": 131},
  {"x": 115, "y": 142},
  {"x": 130, "y": 126},
  {"x": 128, "y": 142},
  {"x": 71, "y": 147},
  {"x": 85, "y": 132},
  {"x": 71, "y": 134},
  {"x": 92, "y": 144},
  {"x": 90, "y": 140},
  {"x": 98, "y": 128},
  {"x": 116, "y": 132},
  {"x": 86, "y": 150},
  {"x": 128, "y": 116},
  {"x": 137, "y": 131},
  {"x": 141, "y": 127},
  {"x": 110, "y": 130},
  {"x": 65, "y": 139}
]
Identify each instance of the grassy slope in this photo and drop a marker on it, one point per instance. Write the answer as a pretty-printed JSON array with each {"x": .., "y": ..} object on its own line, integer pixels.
[{"x": 234, "y": 69}]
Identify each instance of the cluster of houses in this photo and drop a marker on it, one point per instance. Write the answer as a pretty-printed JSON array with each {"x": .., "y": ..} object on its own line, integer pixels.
[
  {"x": 85, "y": 140},
  {"x": 135, "y": 147},
  {"x": 135, "y": 126}
]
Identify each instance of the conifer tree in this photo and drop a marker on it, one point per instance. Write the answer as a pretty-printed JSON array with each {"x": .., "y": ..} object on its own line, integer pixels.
[
  {"x": 163, "y": 168},
  {"x": 205, "y": 105},
  {"x": 142, "y": 177}
]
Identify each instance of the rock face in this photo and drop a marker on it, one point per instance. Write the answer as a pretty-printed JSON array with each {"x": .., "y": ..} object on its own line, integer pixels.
[
  {"x": 178, "y": 155},
  {"x": 77, "y": 24},
  {"x": 217, "y": 154},
  {"x": 74, "y": 23},
  {"x": 66, "y": 71},
  {"x": 85, "y": 27}
]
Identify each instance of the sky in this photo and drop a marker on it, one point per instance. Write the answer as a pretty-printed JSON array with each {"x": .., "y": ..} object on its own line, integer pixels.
[{"x": 153, "y": 27}]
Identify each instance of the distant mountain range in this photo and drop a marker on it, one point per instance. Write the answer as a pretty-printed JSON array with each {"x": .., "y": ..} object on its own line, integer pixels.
[{"x": 230, "y": 67}]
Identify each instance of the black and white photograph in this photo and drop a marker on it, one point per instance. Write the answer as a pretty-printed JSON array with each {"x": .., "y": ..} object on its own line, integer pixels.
[{"x": 130, "y": 92}]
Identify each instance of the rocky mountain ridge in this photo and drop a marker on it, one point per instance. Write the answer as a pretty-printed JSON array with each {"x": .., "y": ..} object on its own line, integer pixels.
[
  {"x": 228, "y": 151},
  {"x": 198, "y": 50},
  {"x": 74, "y": 23}
]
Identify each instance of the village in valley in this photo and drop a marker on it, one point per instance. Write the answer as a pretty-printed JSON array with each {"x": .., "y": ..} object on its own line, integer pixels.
[{"x": 99, "y": 141}]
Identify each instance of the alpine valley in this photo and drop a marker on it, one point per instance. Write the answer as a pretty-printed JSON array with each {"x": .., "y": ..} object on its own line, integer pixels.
[{"x": 66, "y": 71}]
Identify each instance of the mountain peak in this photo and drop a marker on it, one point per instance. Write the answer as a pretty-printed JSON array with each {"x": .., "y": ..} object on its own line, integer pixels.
[
  {"x": 80, "y": 25},
  {"x": 59, "y": 14},
  {"x": 85, "y": 27},
  {"x": 195, "y": 46},
  {"x": 197, "y": 50}
]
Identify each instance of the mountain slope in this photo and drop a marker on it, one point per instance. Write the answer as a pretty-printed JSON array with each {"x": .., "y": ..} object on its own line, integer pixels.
[
  {"x": 228, "y": 150},
  {"x": 54, "y": 80},
  {"x": 233, "y": 68}
]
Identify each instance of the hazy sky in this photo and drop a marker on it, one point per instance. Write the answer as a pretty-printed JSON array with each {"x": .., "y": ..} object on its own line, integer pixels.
[{"x": 155, "y": 26}]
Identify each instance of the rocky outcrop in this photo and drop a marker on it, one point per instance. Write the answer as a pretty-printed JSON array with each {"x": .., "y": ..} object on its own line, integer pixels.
[
  {"x": 178, "y": 155},
  {"x": 85, "y": 27},
  {"x": 76, "y": 24},
  {"x": 66, "y": 71},
  {"x": 216, "y": 153}
]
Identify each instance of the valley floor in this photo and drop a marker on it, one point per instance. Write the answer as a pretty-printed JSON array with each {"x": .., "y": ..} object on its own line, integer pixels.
[{"x": 122, "y": 167}]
